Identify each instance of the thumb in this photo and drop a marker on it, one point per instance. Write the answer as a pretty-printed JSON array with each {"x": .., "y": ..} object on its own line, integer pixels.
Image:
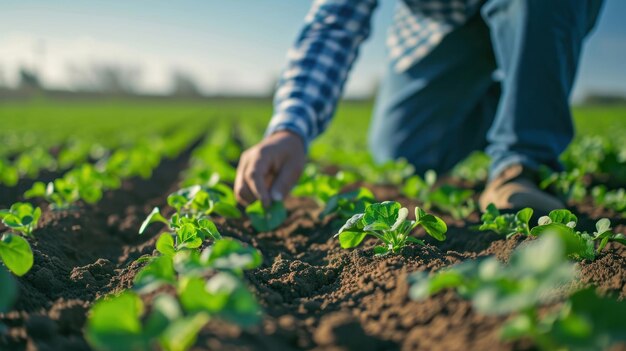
[{"x": 287, "y": 177}]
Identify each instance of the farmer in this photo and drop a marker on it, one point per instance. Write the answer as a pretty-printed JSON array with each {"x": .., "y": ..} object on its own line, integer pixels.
[{"x": 463, "y": 75}]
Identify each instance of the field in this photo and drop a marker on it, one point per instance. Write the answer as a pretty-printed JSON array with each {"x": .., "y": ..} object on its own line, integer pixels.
[{"x": 194, "y": 278}]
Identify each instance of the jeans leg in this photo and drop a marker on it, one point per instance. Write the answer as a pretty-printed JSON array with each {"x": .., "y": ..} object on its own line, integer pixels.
[
  {"x": 537, "y": 44},
  {"x": 438, "y": 112}
]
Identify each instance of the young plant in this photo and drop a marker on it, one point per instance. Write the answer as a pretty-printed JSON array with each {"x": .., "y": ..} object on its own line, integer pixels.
[
  {"x": 83, "y": 183},
  {"x": 506, "y": 224},
  {"x": 421, "y": 189},
  {"x": 571, "y": 185},
  {"x": 345, "y": 205},
  {"x": 118, "y": 323},
  {"x": 32, "y": 161},
  {"x": 388, "y": 222},
  {"x": 9, "y": 175},
  {"x": 319, "y": 186},
  {"x": 563, "y": 223},
  {"x": 213, "y": 198},
  {"x": 183, "y": 232},
  {"x": 605, "y": 234},
  {"x": 537, "y": 274},
  {"x": 21, "y": 217},
  {"x": 265, "y": 220},
  {"x": 454, "y": 200}
]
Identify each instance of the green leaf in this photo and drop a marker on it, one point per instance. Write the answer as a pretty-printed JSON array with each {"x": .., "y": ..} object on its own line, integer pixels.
[
  {"x": 165, "y": 245},
  {"x": 517, "y": 328},
  {"x": 380, "y": 250},
  {"x": 226, "y": 210},
  {"x": 177, "y": 201},
  {"x": 265, "y": 220},
  {"x": 403, "y": 213},
  {"x": 603, "y": 225},
  {"x": 384, "y": 214},
  {"x": 434, "y": 226},
  {"x": 16, "y": 254},
  {"x": 8, "y": 291},
  {"x": 351, "y": 239},
  {"x": 354, "y": 224},
  {"x": 524, "y": 215},
  {"x": 154, "y": 216},
  {"x": 114, "y": 323},
  {"x": 231, "y": 254},
  {"x": 208, "y": 228},
  {"x": 37, "y": 190},
  {"x": 159, "y": 271},
  {"x": 182, "y": 333},
  {"x": 562, "y": 216},
  {"x": 165, "y": 310},
  {"x": 415, "y": 240},
  {"x": 188, "y": 237},
  {"x": 195, "y": 298}
]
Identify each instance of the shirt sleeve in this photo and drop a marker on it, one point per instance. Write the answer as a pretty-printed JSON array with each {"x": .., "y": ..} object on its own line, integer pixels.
[{"x": 318, "y": 66}]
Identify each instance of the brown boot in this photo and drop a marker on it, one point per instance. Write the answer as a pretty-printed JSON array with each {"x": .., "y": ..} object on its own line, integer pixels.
[{"x": 516, "y": 188}]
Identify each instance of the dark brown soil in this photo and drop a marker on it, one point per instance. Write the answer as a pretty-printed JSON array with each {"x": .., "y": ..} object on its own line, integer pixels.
[{"x": 315, "y": 295}]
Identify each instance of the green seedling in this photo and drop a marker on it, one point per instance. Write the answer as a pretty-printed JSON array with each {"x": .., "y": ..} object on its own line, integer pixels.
[
  {"x": 214, "y": 198},
  {"x": 345, "y": 205},
  {"x": 183, "y": 232},
  {"x": 265, "y": 220},
  {"x": 571, "y": 185},
  {"x": 421, "y": 189},
  {"x": 611, "y": 199},
  {"x": 474, "y": 168},
  {"x": 388, "y": 222},
  {"x": 34, "y": 160},
  {"x": 224, "y": 255},
  {"x": 21, "y": 217},
  {"x": 118, "y": 323},
  {"x": 319, "y": 186},
  {"x": 456, "y": 201},
  {"x": 604, "y": 234},
  {"x": 83, "y": 183},
  {"x": 16, "y": 254},
  {"x": 537, "y": 274},
  {"x": 506, "y": 224},
  {"x": 581, "y": 245},
  {"x": 139, "y": 160},
  {"x": 9, "y": 175}
]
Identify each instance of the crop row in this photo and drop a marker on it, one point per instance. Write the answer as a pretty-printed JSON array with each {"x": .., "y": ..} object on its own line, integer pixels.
[{"x": 205, "y": 270}]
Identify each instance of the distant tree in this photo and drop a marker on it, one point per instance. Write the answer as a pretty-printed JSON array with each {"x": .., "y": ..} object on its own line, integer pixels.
[
  {"x": 604, "y": 99},
  {"x": 116, "y": 79},
  {"x": 184, "y": 85},
  {"x": 29, "y": 79}
]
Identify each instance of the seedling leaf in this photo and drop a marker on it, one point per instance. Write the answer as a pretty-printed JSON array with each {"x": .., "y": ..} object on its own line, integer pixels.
[
  {"x": 16, "y": 254},
  {"x": 265, "y": 220}
]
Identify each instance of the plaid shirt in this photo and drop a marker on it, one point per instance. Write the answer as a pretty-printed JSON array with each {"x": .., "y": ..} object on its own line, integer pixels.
[{"x": 319, "y": 62}]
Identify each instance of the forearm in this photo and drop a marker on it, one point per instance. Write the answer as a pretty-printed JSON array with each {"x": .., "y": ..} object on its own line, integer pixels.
[{"x": 318, "y": 66}]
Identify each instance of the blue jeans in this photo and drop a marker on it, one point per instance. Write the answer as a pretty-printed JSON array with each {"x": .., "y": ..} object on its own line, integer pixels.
[{"x": 500, "y": 83}]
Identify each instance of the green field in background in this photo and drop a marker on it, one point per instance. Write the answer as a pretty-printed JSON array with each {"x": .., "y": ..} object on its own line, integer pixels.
[{"x": 49, "y": 121}]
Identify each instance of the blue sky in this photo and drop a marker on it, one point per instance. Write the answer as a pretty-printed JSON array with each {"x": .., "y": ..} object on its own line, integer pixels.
[{"x": 229, "y": 46}]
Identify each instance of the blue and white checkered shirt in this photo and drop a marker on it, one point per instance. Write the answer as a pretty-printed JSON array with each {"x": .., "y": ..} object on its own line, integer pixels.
[{"x": 319, "y": 62}]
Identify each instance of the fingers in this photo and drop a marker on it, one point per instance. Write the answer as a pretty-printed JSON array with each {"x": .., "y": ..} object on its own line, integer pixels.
[
  {"x": 254, "y": 176},
  {"x": 242, "y": 192},
  {"x": 250, "y": 180},
  {"x": 287, "y": 177}
]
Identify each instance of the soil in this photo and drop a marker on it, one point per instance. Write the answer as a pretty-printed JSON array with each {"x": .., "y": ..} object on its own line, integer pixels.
[{"x": 315, "y": 295}]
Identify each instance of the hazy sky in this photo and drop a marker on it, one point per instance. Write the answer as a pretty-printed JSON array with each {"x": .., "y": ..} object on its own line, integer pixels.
[{"x": 229, "y": 46}]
